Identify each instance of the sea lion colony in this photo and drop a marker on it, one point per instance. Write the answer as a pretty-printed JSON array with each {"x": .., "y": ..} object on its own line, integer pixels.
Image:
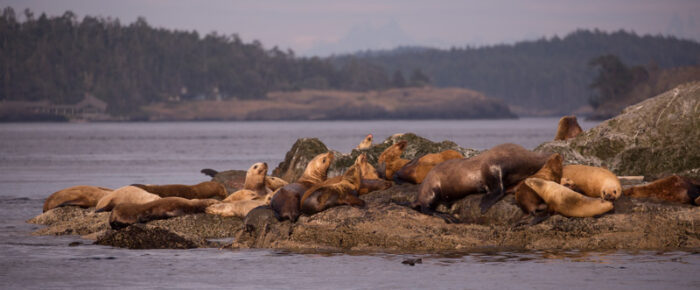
[{"x": 541, "y": 183}]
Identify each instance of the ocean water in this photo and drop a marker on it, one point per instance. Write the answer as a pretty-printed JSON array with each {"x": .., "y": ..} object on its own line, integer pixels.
[{"x": 39, "y": 158}]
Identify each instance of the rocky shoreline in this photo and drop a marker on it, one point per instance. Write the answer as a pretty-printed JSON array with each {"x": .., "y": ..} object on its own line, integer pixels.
[{"x": 656, "y": 137}]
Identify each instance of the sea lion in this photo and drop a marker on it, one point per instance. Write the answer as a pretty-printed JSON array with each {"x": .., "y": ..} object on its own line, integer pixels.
[
  {"x": 673, "y": 188},
  {"x": 366, "y": 143},
  {"x": 273, "y": 183},
  {"x": 490, "y": 172},
  {"x": 285, "y": 202},
  {"x": 326, "y": 195},
  {"x": 81, "y": 195},
  {"x": 593, "y": 181},
  {"x": 568, "y": 128},
  {"x": 254, "y": 186},
  {"x": 207, "y": 189},
  {"x": 567, "y": 202},
  {"x": 370, "y": 180},
  {"x": 238, "y": 208},
  {"x": 125, "y": 214},
  {"x": 390, "y": 160},
  {"x": 415, "y": 170},
  {"x": 126, "y": 194},
  {"x": 528, "y": 200}
]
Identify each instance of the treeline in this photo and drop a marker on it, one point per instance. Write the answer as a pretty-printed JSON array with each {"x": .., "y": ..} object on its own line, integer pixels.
[
  {"x": 62, "y": 59},
  {"x": 547, "y": 73}
]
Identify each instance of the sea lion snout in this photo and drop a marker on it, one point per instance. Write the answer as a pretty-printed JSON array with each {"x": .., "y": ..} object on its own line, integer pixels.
[{"x": 609, "y": 197}]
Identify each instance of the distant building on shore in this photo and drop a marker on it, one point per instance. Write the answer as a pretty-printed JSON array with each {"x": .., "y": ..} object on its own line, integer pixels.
[{"x": 89, "y": 109}]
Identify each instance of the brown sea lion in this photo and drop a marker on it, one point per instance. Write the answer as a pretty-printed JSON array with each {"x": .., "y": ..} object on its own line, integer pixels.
[
  {"x": 567, "y": 202},
  {"x": 238, "y": 208},
  {"x": 126, "y": 194},
  {"x": 81, "y": 195},
  {"x": 254, "y": 186},
  {"x": 568, "y": 128},
  {"x": 593, "y": 181},
  {"x": 126, "y": 214},
  {"x": 370, "y": 179},
  {"x": 326, "y": 195},
  {"x": 366, "y": 143},
  {"x": 273, "y": 183},
  {"x": 416, "y": 170},
  {"x": 207, "y": 189},
  {"x": 285, "y": 202},
  {"x": 528, "y": 200},
  {"x": 390, "y": 160},
  {"x": 673, "y": 188},
  {"x": 490, "y": 172}
]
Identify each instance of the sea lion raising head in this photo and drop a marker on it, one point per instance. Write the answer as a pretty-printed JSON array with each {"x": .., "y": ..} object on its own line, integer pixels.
[
  {"x": 390, "y": 160},
  {"x": 568, "y": 128},
  {"x": 366, "y": 143},
  {"x": 329, "y": 194},
  {"x": 286, "y": 200}
]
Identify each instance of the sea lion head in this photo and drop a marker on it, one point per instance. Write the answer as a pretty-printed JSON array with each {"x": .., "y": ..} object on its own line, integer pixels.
[
  {"x": 393, "y": 152},
  {"x": 535, "y": 183},
  {"x": 366, "y": 143},
  {"x": 368, "y": 171},
  {"x": 255, "y": 176},
  {"x": 317, "y": 169},
  {"x": 610, "y": 191}
]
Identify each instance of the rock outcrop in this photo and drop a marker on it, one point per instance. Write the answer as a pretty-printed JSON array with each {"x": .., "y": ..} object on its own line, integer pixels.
[{"x": 654, "y": 138}]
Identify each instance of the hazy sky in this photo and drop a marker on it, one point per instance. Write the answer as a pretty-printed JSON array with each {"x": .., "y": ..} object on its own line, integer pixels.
[{"x": 324, "y": 27}]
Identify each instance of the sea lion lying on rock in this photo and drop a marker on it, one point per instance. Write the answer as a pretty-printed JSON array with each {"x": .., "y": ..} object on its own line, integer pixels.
[
  {"x": 567, "y": 202},
  {"x": 286, "y": 200},
  {"x": 273, "y": 183},
  {"x": 568, "y": 128},
  {"x": 207, "y": 189},
  {"x": 81, "y": 195},
  {"x": 416, "y": 170},
  {"x": 126, "y": 194},
  {"x": 329, "y": 194},
  {"x": 673, "y": 188},
  {"x": 126, "y": 214},
  {"x": 366, "y": 143},
  {"x": 490, "y": 172},
  {"x": 390, "y": 160},
  {"x": 238, "y": 208},
  {"x": 593, "y": 181},
  {"x": 254, "y": 187},
  {"x": 531, "y": 202}
]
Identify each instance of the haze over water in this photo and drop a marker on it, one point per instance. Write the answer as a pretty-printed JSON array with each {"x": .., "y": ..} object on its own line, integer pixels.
[{"x": 38, "y": 159}]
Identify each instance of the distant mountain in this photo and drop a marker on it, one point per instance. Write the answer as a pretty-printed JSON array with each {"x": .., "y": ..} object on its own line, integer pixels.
[{"x": 545, "y": 76}]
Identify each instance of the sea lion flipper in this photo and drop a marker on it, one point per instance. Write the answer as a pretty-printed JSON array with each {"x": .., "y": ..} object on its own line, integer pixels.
[
  {"x": 538, "y": 218},
  {"x": 381, "y": 170},
  {"x": 209, "y": 172},
  {"x": 489, "y": 200}
]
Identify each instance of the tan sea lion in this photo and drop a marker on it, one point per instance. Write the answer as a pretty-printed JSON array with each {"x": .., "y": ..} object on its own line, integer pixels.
[
  {"x": 673, "y": 188},
  {"x": 126, "y": 194},
  {"x": 593, "y": 181},
  {"x": 490, "y": 172},
  {"x": 254, "y": 186},
  {"x": 81, "y": 195},
  {"x": 390, "y": 160},
  {"x": 285, "y": 202},
  {"x": 528, "y": 200},
  {"x": 273, "y": 183},
  {"x": 567, "y": 202},
  {"x": 207, "y": 189},
  {"x": 238, "y": 208},
  {"x": 370, "y": 179},
  {"x": 568, "y": 128},
  {"x": 326, "y": 195},
  {"x": 416, "y": 170},
  {"x": 366, "y": 143},
  {"x": 126, "y": 214}
]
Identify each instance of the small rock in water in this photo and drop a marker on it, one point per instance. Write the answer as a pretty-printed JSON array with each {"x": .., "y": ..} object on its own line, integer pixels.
[
  {"x": 412, "y": 262},
  {"x": 74, "y": 244}
]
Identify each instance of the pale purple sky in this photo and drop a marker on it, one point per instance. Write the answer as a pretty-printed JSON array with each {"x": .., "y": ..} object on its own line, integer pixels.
[{"x": 324, "y": 27}]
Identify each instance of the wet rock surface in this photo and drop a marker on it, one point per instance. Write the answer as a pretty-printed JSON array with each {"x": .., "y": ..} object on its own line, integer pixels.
[{"x": 654, "y": 138}]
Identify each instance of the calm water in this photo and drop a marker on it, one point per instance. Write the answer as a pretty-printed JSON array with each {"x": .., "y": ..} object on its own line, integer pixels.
[{"x": 38, "y": 159}]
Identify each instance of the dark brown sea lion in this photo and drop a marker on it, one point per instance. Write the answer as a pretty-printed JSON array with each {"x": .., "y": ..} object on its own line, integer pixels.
[
  {"x": 568, "y": 128},
  {"x": 673, "y": 188},
  {"x": 126, "y": 214},
  {"x": 254, "y": 186},
  {"x": 416, "y": 170},
  {"x": 125, "y": 194},
  {"x": 366, "y": 143},
  {"x": 285, "y": 202},
  {"x": 81, "y": 195},
  {"x": 567, "y": 202},
  {"x": 329, "y": 194},
  {"x": 207, "y": 189},
  {"x": 593, "y": 181},
  {"x": 390, "y": 160},
  {"x": 490, "y": 172},
  {"x": 528, "y": 200}
]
